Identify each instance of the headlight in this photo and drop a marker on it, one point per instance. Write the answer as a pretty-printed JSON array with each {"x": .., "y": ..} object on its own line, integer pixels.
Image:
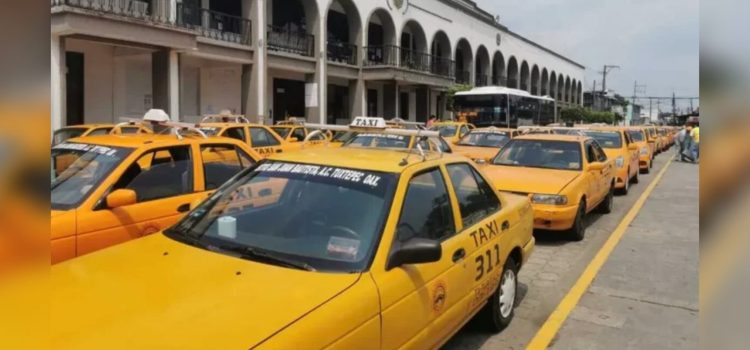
[
  {"x": 620, "y": 161},
  {"x": 549, "y": 199},
  {"x": 644, "y": 151}
]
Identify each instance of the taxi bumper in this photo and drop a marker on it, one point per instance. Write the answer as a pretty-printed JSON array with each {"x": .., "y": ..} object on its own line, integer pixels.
[
  {"x": 621, "y": 178},
  {"x": 553, "y": 217},
  {"x": 643, "y": 161}
]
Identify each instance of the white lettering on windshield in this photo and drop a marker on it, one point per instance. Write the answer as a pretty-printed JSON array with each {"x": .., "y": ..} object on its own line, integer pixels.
[{"x": 349, "y": 175}]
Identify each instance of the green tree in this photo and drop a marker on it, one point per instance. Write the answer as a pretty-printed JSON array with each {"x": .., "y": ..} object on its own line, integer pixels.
[{"x": 575, "y": 114}]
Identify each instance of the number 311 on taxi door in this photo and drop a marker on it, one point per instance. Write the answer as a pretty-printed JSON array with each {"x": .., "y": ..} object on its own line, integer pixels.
[{"x": 487, "y": 261}]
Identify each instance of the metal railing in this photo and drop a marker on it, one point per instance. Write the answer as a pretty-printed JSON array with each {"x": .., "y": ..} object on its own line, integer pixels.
[
  {"x": 463, "y": 77},
  {"x": 154, "y": 10},
  {"x": 480, "y": 80},
  {"x": 385, "y": 55},
  {"x": 342, "y": 52},
  {"x": 443, "y": 66},
  {"x": 215, "y": 25},
  {"x": 284, "y": 39}
]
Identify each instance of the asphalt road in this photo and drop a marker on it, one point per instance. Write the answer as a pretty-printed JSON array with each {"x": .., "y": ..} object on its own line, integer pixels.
[{"x": 557, "y": 263}]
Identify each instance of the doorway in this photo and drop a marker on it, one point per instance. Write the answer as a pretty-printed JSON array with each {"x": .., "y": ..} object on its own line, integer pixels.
[
  {"x": 403, "y": 105},
  {"x": 74, "y": 88},
  {"x": 288, "y": 99},
  {"x": 372, "y": 102}
]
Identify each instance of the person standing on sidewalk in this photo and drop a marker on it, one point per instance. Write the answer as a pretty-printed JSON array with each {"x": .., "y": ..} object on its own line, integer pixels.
[
  {"x": 695, "y": 135},
  {"x": 680, "y": 138},
  {"x": 686, "y": 146}
]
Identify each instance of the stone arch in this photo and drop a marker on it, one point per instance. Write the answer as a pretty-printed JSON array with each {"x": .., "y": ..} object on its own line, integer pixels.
[
  {"x": 498, "y": 69},
  {"x": 535, "y": 76},
  {"x": 513, "y": 72},
  {"x": 482, "y": 65},
  {"x": 525, "y": 84},
  {"x": 464, "y": 61},
  {"x": 544, "y": 83}
]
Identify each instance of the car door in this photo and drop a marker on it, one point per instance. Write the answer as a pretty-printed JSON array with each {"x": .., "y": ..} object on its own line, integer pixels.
[
  {"x": 484, "y": 227},
  {"x": 415, "y": 296},
  {"x": 165, "y": 186},
  {"x": 592, "y": 177},
  {"x": 607, "y": 173},
  {"x": 264, "y": 142}
]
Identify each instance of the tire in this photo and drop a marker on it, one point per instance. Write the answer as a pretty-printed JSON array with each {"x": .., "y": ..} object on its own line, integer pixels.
[
  {"x": 605, "y": 207},
  {"x": 650, "y": 165},
  {"x": 500, "y": 308},
  {"x": 624, "y": 191},
  {"x": 635, "y": 178},
  {"x": 578, "y": 231}
]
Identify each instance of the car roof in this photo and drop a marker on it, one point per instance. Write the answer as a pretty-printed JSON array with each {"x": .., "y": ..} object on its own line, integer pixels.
[
  {"x": 363, "y": 158},
  {"x": 553, "y": 137},
  {"x": 138, "y": 140},
  {"x": 606, "y": 128}
]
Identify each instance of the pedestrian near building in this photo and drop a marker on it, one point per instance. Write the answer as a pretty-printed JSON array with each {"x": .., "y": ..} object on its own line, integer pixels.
[
  {"x": 430, "y": 122},
  {"x": 680, "y": 138},
  {"x": 695, "y": 135},
  {"x": 686, "y": 145}
]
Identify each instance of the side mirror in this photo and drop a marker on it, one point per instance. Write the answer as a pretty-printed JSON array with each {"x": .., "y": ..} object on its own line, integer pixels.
[
  {"x": 597, "y": 166},
  {"x": 633, "y": 147},
  {"x": 481, "y": 161},
  {"x": 121, "y": 198},
  {"x": 293, "y": 139},
  {"x": 415, "y": 251}
]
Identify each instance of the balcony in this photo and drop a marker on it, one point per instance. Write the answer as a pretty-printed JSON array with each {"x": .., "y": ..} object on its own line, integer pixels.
[
  {"x": 203, "y": 22},
  {"x": 463, "y": 77},
  {"x": 480, "y": 80},
  {"x": 408, "y": 59},
  {"x": 283, "y": 39},
  {"x": 342, "y": 52},
  {"x": 215, "y": 25}
]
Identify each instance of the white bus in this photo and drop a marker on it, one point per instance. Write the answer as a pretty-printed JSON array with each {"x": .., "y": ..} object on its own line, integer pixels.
[{"x": 504, "y": 107}]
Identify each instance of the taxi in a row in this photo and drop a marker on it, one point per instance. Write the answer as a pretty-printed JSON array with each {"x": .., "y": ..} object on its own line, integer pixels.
[
  {"x": 72, "y": 131},
  {"x": 358, "y": 248}
]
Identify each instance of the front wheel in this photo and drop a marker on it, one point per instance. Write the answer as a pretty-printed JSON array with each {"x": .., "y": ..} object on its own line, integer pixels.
[
  {"x": 578, "y": 231},
  {"x": 606, "y": 206},
  {"x": 499, "y": 310}
]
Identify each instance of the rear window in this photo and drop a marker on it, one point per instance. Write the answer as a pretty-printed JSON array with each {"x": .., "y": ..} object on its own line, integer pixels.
[{"x": 607, "y": 139}]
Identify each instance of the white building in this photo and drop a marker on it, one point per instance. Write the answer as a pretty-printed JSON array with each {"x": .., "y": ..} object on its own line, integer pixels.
[{"x": 266, "y": 59}]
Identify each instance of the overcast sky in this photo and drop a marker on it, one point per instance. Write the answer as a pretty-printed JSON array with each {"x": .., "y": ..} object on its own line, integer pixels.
[{"x": 654, "y": 41}]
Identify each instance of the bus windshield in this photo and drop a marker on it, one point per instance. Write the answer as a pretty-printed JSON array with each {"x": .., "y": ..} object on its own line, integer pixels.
[{"x": 483, "y": 110}]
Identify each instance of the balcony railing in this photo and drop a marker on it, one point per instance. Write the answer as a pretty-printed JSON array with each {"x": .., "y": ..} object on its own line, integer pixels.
[
  {"x": 215, "y": 25},
  {"x": 342, "y": 52},
  {"x": 154, "y": 10},
  {"x": 499, "y": 80},
  {"x": 463, "y": 77},
  {"x": 386, "y": 55},
  {"x": 204, "y": 22},
  {"x": 284, "y": 39},
  {"x": 443, "y": 66},
  {"x": 480, "y": 80}
]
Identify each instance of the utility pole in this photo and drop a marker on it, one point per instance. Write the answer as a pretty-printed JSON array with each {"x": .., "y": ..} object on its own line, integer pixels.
[
  {"x": 593, "y": 97},
  {"x": 674, "y": 107},
  {"x": 636, "y": 88},
  {"x": 605, "y": 71},
  {"x": 650, "y": 108}
]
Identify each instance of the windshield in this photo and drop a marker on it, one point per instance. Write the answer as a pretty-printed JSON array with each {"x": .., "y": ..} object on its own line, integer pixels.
[
  {"x": 327, "y": 218},
  {"x": 63, "y": 135},
  {"x": 445, "y": 130},
  {"x": 379, "y": 141},
  {"x": 607, "y": 139},
  {"x": 210, "y": 131},
  {"x": 636, "y": 135},
  {"x": 561, "y": 155},
  {"x": 485, "y": 139},
  {"x": 78, "y": 168},
  {"x": 343, "y": 136},
  {"x": 483, "y": 109},
  {"x": 283, "y": 132}
]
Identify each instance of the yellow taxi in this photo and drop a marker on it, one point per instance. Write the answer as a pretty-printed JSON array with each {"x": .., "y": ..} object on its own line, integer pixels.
[
  {"x": 482, "y": 144},
  {"x": 384, "y": 249},
  {"x": 564, "y": 176},
  {"x": 664, "y": 138},
  {"x": 645, "y": 157},
  {"x": 452, "y": 131},
  {"x": 653, "y": 139},
  {"x": 260, "y": 137},
  {"x": 618, "y": 146},
  {"x": 298, "y": 133},
  {"x": 69, "y": 132},
  {"x": 117, "y": 188}
]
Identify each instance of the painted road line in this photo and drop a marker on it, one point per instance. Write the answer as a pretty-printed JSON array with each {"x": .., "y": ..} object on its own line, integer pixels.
[{"x": 552, "y": 325}]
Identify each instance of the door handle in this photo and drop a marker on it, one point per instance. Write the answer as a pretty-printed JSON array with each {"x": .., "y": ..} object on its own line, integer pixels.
[
  {"x": 279, "y": 151},
  {"x": 459, "y": 254},
  {"x": 505, "y": 226},
  {"x": 183, "y": 208}
]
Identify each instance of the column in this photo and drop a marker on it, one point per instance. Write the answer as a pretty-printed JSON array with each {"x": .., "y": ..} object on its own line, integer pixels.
[
  {"x": 321, "y": 69},
  {"x": 390, "y": 100},
  {"x": 256, "y": 75},
  {"x": 57, "y": 82},
  {"x": 357, "y": 98}
]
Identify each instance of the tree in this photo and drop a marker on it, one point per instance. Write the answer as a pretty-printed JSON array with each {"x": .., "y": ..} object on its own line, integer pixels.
[{"x": 575, "y": 114}]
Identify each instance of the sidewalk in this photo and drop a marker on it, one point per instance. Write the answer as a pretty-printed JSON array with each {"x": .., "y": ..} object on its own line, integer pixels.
[{"x": 646, "y": 294}]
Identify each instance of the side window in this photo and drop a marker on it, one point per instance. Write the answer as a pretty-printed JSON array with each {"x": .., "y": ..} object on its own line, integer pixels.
[
  {"x": 100, "y": 131},
  {"x": 299, "y": 133},
  {"x": 464, "y": 130},
  {"x": 262, "y": 138},
  {"x": 129, "y": 130},
  {"x": 235, "y": 133},
  {"x": 476, "y": 200},
  {"x": 590, "y": 153},
  {"x": 627, "y": 138},
  {"x": 427, "y": 211},
  {"x": 600, "y": 155},
  {"x": 221, "y": 162},
  {"x": 159, "y": 174}
]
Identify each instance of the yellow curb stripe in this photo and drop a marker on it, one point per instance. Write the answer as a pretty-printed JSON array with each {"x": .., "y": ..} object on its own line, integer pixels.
[{"x": 552, "y": 325}]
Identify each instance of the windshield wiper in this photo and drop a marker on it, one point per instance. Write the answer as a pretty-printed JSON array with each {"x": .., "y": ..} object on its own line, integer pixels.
[{"x": 255, "y": 254}]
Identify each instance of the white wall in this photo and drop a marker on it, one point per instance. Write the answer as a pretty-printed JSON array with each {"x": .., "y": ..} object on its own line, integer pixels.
[
  {"x": 132, "y": 85},
  {"x": 98, "y": 75}
]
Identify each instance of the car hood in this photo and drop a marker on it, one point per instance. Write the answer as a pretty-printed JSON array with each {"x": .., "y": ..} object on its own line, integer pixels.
[
  {"x": 473, "y": 152},
  {"x": 613, "y": 153},
  {"x": 530, "y": 180},
  {"x": 158, "y": 293}
]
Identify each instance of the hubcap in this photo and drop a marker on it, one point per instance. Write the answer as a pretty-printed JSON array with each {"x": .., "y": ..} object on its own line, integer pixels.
[{"x": 507, "y": 293}]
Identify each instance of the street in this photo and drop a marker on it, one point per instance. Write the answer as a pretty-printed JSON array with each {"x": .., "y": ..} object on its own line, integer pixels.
[{"x": 646, "y": 289}]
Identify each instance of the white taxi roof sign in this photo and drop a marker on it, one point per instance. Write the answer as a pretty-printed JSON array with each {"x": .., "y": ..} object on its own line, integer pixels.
[
  {"x": 374, "y": 130},
  {"x": 369, "y": 122}
]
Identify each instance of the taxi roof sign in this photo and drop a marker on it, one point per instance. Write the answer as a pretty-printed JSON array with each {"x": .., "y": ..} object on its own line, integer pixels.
[
  {"x": 156, "y": 115},
  {"x": 369, "y": 122}
]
